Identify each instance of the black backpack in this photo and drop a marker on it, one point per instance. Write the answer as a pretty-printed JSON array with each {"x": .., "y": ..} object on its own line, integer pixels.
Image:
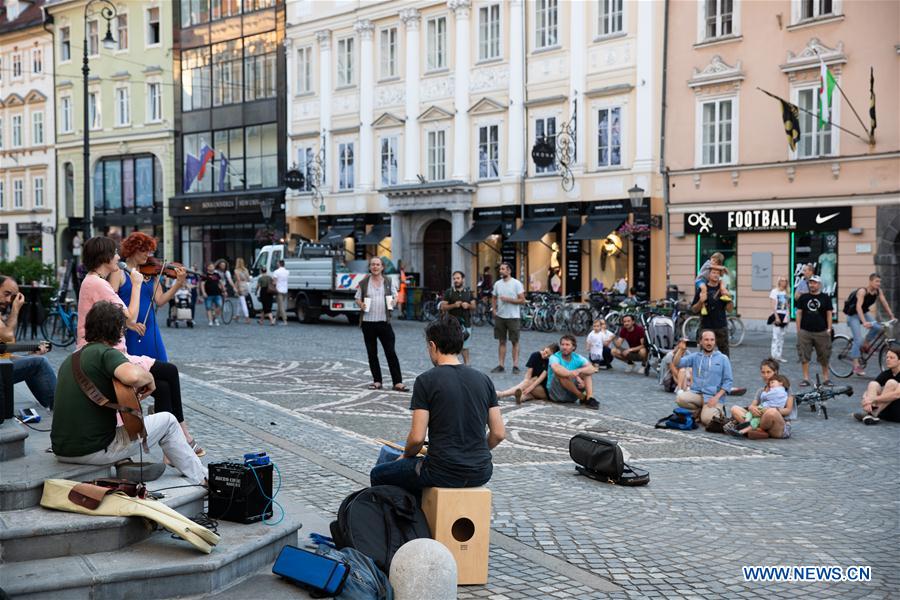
[
  {"x": 601, "y": 459},
  {"x": 377, "y": 521}
]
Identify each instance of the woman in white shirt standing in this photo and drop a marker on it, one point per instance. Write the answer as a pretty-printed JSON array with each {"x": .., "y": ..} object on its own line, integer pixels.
[
  {"x": 375, "y": 299},
  {"x": 780, "y": 316},
  {"x": 598, "y": 342}
]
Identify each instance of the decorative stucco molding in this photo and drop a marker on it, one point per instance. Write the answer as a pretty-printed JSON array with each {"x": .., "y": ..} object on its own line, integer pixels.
[{"x": 716, "y": 72}]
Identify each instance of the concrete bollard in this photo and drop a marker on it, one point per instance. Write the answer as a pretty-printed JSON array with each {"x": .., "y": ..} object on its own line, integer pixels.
[{"x": 423, "y": 568}]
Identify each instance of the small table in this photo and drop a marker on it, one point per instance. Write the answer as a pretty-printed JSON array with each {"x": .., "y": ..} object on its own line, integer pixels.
[{"x": 32, "y": 311}]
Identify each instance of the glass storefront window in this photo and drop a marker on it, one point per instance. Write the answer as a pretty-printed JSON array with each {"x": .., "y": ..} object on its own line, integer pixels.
[
  {"x": 820, "y": 249},
  {"x": 144, "y": 170},
  {"x": 191, "y": 145},
  {"x": 202, "y": 244},
  {"x": 261, "y": 152},
  {"x": 609, "y": 263},
  {"x": 707, "y": 245},
  {"x": 195, "y": 79},
  {"x": 112, "y": 184},
  {"x": 259, "y": 66},
  {"x": 227, "y": 72},
  {"x": 128, "y": 185}
]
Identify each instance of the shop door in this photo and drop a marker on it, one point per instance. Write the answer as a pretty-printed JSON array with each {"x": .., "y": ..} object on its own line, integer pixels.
[{"x": 436, "y": 255}]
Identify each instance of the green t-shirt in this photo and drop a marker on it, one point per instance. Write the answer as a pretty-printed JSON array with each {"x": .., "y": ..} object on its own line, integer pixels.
[{"x": 79, "y": 426}]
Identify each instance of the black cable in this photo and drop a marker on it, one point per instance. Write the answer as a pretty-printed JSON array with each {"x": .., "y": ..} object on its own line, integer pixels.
[{"x": 31, "y": 426}]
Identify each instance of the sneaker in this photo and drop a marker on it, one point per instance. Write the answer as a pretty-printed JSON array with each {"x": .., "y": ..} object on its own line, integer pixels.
[
  {"x": 210, "y": 323},
  {"x": 871, "y": 420},
  {"x": 498, "y": 369},
  {"x": 730, "y": 427},
  {"x": 518, "y": 396},
  {"x": 782, "y": 360},
  {"x": 703, "y": 311},
  {"x": 609, "y": 367},
  {"x": 859, "y": 416},
  {"x": 725, "y": 298},
  {"x": 591, "y": 403},
  {"x": 859, "y": 371},
  {"x": 515, "y": 370}
]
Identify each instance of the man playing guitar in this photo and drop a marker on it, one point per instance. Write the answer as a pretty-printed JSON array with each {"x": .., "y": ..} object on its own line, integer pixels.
[
  {"x": 34, "y": 370},
  {"x": 84, "y": 432}
]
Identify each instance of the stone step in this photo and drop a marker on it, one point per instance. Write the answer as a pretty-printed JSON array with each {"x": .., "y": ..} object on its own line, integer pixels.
[
  {"x": 158, "y": 567},
  {"x": 37, "y": 533},
  {"x": 12, "y": 440}
]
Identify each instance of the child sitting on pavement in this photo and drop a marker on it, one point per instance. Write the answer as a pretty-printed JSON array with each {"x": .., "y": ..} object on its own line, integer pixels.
[
  {"x": 774, "y": 396},
  {"x": 717, "y": 259}
]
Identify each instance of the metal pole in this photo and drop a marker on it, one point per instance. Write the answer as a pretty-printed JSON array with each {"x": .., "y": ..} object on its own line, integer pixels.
[{"x": 86, "y": 149}]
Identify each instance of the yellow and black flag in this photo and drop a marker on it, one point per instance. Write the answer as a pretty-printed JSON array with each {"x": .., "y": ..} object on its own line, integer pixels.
[
  {"x": 872, "y": 122},
  {"x": 790, "y": 115}
]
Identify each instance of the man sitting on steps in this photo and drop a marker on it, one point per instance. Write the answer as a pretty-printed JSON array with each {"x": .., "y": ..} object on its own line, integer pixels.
[
  {"x": 452, "y": 403},
  {"x": 84, "y": 432}
]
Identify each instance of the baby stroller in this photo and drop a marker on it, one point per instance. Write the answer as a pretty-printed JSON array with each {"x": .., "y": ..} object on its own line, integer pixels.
[
  {"x": 660, "y": 333},
  {"x": 180, "y": 309}
]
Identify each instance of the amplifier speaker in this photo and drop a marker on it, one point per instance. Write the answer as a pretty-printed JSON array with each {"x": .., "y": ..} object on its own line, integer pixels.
[{"x": 235, "y": 495}]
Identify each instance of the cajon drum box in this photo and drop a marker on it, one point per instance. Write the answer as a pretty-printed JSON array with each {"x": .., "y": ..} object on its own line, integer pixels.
[{"x": 460, "y": 519}]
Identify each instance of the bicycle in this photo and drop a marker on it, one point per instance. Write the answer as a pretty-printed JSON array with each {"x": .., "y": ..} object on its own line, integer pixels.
[
  {"x": 430, "y": 310},
  {"x": 60, "y": 326},
  {"x": 841, "y": 365},
  {"x": 227, "y": 311},
  {"x": 691, "y": 329},
  {"x": 482, "y": 315}
]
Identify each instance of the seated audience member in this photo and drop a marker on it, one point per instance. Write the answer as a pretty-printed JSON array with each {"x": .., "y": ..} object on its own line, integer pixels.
[
  {"x": 34, "y": 370},
  {"x": 534, "y": 385},
  {"x": 671, "y": 378},
  {"x": 632, "y": 334},
  {"x": 712, "y": 378},
  {"x": 570, "y": 374},
  {"x": 452, "y": 404},
  {"x": 882, "y": 397},
  {"x": 84, "y": 432},
  {"x": 598, "y": 343},
  {"x": 774, "y": 420}
]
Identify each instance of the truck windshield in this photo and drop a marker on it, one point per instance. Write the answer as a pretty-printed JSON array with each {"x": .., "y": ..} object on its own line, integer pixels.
[{"x": 261, "y": 260}]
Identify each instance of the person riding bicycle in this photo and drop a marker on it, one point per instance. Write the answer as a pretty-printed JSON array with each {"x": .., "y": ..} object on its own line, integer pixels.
[{"x": 857, "y": 308}]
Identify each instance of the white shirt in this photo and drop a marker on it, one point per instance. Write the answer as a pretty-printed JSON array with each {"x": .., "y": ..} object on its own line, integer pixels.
[
  {"x": 597, "y": 339},
  {"x": 512, "y": 287},
  {"x": 280, "y": 275}
]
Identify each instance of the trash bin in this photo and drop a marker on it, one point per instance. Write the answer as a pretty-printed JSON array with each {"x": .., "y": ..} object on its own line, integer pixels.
[{"x": 413, "y": 303}]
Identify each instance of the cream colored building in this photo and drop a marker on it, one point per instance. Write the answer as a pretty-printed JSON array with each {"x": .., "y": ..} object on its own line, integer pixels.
[
  {"x": 422, "y": 115},
  {"x": 27, "y": 157},
  {"x": 736, "y": 186}
]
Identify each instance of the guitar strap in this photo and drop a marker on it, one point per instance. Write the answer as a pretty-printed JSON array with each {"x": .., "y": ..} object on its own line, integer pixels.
[{"x": 90, "y": 390}]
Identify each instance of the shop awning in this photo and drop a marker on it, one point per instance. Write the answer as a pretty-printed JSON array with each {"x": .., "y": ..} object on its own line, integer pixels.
[
  {"x": 378, "y": 233},
  {"x": 598, "y": 227},
  {"x": 479, "y": 233},
  {"x": 533, "y": 230},
  {"x": 336, "y": 235}
]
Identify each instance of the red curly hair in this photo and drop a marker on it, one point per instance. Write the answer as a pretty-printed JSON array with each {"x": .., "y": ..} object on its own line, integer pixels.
[{"x": 138, "y": 242}]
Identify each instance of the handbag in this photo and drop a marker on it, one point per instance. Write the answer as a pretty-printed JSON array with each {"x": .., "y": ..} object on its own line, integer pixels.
[
  {"x": 771, "y": 320},
  {"x": 602, "y": 459}
]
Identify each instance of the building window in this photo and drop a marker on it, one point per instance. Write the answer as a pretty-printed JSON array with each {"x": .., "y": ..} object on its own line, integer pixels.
[
  {"x": 154, "y": 102},
  {"x": 38, "y": 188},
  {"x": 814, "y": 140},
  {"x": 1, "y": 133},
  {"x": 719, "y": 16},
  {"x": 436, "y": 44},
  {"x": 388, "y": 49},
  {"x": 545, "y": 129},
  {"x": 65, "y": 45},
  {"x": 345, "y": 166},
  {"x": 17, "y": 131},
  {"x": 489, "y": 32},
  {"x": 66, "y": 114},
  {"x": 813, "y": 9},
  {"x": 261, "y": 155},
  {"x": 389, "y": 170},
  {"x": 191, "y": 145},
  {"x": 122, "y": 32},
  {"x": 227, "y": 168},
  {"x": 610, "y": 17},
  {"x": 345, "y": 62},
  {"x": 2, "y": 196},
  {"x": 37, "y": 61},
  {"x": 489, "y": 152},
  {"x": 194, "y": 12},
  {"x": 609, "y": 137},
  {"x": 129, "y": 184},
  {"x": 18, "y": 193},
  {"x": 251, "y": 5},
  {"x": 227, "y": 72},
  {"x": 220, "y": 9},
  {"x": 259, "y": 66},
  {"x": 437, "y": 155},
  {"x": 304, "y": 70},
  {"x": 195, "y": 79},
  {"x": 717, "y": 136},
  {"x": 94, "y": 116},
  {"x": 153, "y": 33},
  {"x": 123, "y": 106},
  {"x": 547, "y": 23},
  {"x": 93, "y": 39},
  {"x": 37, "y": 128},
  {"x": 305, "y": 161},
  {"x": 16, "y": 66},
  {"x": 69, "y": 179}
]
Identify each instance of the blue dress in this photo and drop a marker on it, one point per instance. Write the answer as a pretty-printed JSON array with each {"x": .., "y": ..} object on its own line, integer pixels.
[{"x": 151, "y": 343}]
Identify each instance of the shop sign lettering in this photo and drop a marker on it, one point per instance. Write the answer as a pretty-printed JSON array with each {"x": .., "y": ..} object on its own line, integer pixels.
[{"x": 770, "y": 219}]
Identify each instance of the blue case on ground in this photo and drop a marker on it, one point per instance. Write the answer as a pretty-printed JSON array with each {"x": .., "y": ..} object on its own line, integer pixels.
[{"x": 313, "y": 571}]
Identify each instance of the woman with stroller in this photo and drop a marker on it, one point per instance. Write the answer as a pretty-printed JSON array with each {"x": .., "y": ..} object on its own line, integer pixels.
[
  {"x": 773, "y": 422},
  {"x": 242, "y": 286},
  {"x": 265, "y": 291},
  {"x": 534, "y": 385}
]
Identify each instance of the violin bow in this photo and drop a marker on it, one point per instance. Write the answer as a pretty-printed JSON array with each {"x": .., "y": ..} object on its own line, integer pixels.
[{"x": 153, "y": 296}]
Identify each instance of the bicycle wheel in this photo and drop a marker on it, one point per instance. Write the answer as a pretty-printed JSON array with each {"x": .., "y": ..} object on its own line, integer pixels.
[
  {"x": 527, "y": 314},
  {"x": 691, "y": 328},
  {"x": 883, "y": 353},
  {"x": 430, "y": 311},
  {"x": 841, "y": 365},
  {"x": 581, "y": 322},
  {"x": 478, "y": 315},
  {"x": 613, "y": 320},
  {"x": 735, "y": 331},
  {"x": 55, "y": 330},
  {"x": 227, "y": 311}
]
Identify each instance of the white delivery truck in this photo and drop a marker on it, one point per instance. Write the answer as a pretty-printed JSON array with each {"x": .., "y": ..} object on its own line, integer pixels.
[{"x": 321, "y": 281}]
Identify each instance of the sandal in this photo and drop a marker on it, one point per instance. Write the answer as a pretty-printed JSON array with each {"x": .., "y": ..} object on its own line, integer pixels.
[
  {"x": 197, "y": 448},
  {"x": 375, "y": 385},
  {"x": 400, "y": 388}
]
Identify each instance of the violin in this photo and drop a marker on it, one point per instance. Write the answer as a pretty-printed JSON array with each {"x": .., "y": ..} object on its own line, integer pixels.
[{"x": 154, "y": 267}]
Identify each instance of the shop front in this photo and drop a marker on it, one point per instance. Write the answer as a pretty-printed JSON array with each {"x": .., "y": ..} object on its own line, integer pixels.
[
  {"x": 362, "y": 236},
  {"x": 488, "y": 242}
]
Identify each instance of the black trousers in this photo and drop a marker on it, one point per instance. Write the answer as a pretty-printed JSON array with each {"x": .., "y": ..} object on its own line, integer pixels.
[
  {"x": 376, "y": 331},
  {"x": 167, "y": 395}
]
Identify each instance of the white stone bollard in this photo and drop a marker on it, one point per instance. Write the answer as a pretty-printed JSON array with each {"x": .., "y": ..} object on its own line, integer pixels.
[{"x": 423, "y": 568}]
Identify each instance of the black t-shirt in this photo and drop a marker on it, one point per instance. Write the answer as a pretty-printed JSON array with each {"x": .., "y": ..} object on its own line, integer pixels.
[
  {"x": 814, "y": 309},
  {"x": 891, "y": 412},
  {"x": 537, "y": 364},
  {"x": 453, "y": 295},
  {"x": 716, "y": 317},
  {"x": 211, "y": 282},
  {"x": 886, "y": 376},
  {"x": 457, "y": 399}
]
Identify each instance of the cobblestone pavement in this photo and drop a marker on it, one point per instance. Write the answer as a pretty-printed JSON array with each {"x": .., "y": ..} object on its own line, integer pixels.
[{"x": 828, "y": 496}]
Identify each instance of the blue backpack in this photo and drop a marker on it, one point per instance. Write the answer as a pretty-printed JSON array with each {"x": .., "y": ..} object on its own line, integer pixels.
[{"x": 682, "y": 418}]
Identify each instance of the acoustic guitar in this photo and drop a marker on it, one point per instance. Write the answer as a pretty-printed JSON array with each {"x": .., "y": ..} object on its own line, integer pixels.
[
  {"x": 6, "y": 349},
  {"x": 130, "y": 409}
]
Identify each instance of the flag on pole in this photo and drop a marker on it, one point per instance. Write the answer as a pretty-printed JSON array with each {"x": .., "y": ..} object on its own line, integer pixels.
[
  {"x": 206, "y": 155},
  {"x": 191, "y": 170},
  {"x": 826, "y": 89},
  {"x": 223, "y": 167},
  {"x": 872, "y": 121},
  {"x": 790, "y": 114}
]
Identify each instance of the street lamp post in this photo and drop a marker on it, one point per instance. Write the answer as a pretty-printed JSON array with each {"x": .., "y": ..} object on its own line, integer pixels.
[{"x": 108, "y": 12}]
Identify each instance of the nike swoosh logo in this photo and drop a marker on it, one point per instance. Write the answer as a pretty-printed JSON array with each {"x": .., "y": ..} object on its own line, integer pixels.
[{"x": 820, "y": 219}]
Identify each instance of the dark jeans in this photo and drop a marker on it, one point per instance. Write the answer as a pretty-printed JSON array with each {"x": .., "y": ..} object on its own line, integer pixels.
[
  {"x": 38, "y": 375},
  {"x": 381, "y": 331},
  {"x": 167, "y": 395},
  {"x": 413, "y": 475}
]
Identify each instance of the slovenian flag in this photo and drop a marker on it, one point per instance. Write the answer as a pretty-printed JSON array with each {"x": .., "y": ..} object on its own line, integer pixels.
[
  {"x": 223, "y": 168},
  {"x": 206, "y": 155},
  {"x": 191, "y": 170},
  {"x": 826, "y": 89}
]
